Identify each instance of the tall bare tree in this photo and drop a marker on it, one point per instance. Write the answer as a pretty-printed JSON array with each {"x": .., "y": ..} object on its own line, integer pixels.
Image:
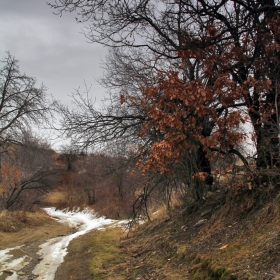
[
  {"x": 22, "y": 102},
  {"x": 24, "y": 161}
]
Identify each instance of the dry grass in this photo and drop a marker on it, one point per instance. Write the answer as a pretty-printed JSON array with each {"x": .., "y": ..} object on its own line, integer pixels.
[
  {"x": 165, "y": 210},
  {"x": 160, "y": 215},
  {"x": 106, "y": 254},
  {"x": 17, "y": 228},
  {"x": 94, "y": 255},
  {"x": 238, "y": 241},
  {"x": 13, "y": 221},
  {"x": 55, "y": 197},
  {"x": 109, "y": 205},
  {"x": 246, "y": 249},
  {"x": 66, "y": 199},
  {"x": 171, "y": 247}
]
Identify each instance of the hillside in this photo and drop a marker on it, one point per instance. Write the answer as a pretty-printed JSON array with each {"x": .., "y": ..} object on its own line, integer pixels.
[{"x": 225, "y": 237}]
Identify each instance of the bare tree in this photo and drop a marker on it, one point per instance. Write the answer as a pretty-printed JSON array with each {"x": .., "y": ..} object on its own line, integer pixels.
[
  {"x": 25, "y": 162},
  {"x": 27, "y": 172},
  {"x": 22, "y": 103}
]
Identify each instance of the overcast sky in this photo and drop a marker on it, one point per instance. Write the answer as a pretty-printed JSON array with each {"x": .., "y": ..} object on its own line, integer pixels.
[{"x": 50, "y": 48}]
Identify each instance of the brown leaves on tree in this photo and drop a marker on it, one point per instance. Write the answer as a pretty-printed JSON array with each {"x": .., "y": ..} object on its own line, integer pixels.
[
  {"x": 207, "y": 111},
  {"x": 10, "y": 178}
]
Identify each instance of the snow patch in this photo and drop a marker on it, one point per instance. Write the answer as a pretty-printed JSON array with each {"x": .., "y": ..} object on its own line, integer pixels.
[
  {"x": 8, "y": 263},
  {"x": 54, "y": 250}
]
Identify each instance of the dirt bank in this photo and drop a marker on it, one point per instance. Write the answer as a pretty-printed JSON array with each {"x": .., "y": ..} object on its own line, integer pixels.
[{"x": 36, "y": 227}]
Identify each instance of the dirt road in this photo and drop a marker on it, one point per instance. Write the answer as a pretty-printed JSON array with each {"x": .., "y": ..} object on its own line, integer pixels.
[{"x": 39, "y": 251}]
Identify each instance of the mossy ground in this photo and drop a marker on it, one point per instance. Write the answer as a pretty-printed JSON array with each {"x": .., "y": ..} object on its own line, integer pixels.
[{"x": 106, "y": 253}]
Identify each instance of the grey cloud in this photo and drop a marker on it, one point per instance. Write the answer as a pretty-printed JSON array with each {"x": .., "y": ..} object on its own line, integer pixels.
[{"x": 49, "y": 47}]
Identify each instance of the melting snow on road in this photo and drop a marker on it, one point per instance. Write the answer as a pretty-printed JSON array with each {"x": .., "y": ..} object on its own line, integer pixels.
[
  {"x": 53, "y": 251},
  {"x": 11, "y": 265}
]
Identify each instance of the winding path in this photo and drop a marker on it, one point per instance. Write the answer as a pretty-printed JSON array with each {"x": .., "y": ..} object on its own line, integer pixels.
[{"x": 51, "y": 253}]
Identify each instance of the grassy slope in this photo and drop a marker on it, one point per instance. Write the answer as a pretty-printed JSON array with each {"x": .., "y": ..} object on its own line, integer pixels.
[{"x": 237, "y": 241}]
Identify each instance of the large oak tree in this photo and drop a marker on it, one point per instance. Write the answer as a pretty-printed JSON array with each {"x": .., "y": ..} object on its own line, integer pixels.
[{"x": 195, "y": 71}]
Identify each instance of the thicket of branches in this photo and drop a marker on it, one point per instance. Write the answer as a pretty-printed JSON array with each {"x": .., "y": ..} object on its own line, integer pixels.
[
  {"x": 100, "y": 180},
  {"x": 189, "y": 81},
  {"x": 25, "y": 160}
]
